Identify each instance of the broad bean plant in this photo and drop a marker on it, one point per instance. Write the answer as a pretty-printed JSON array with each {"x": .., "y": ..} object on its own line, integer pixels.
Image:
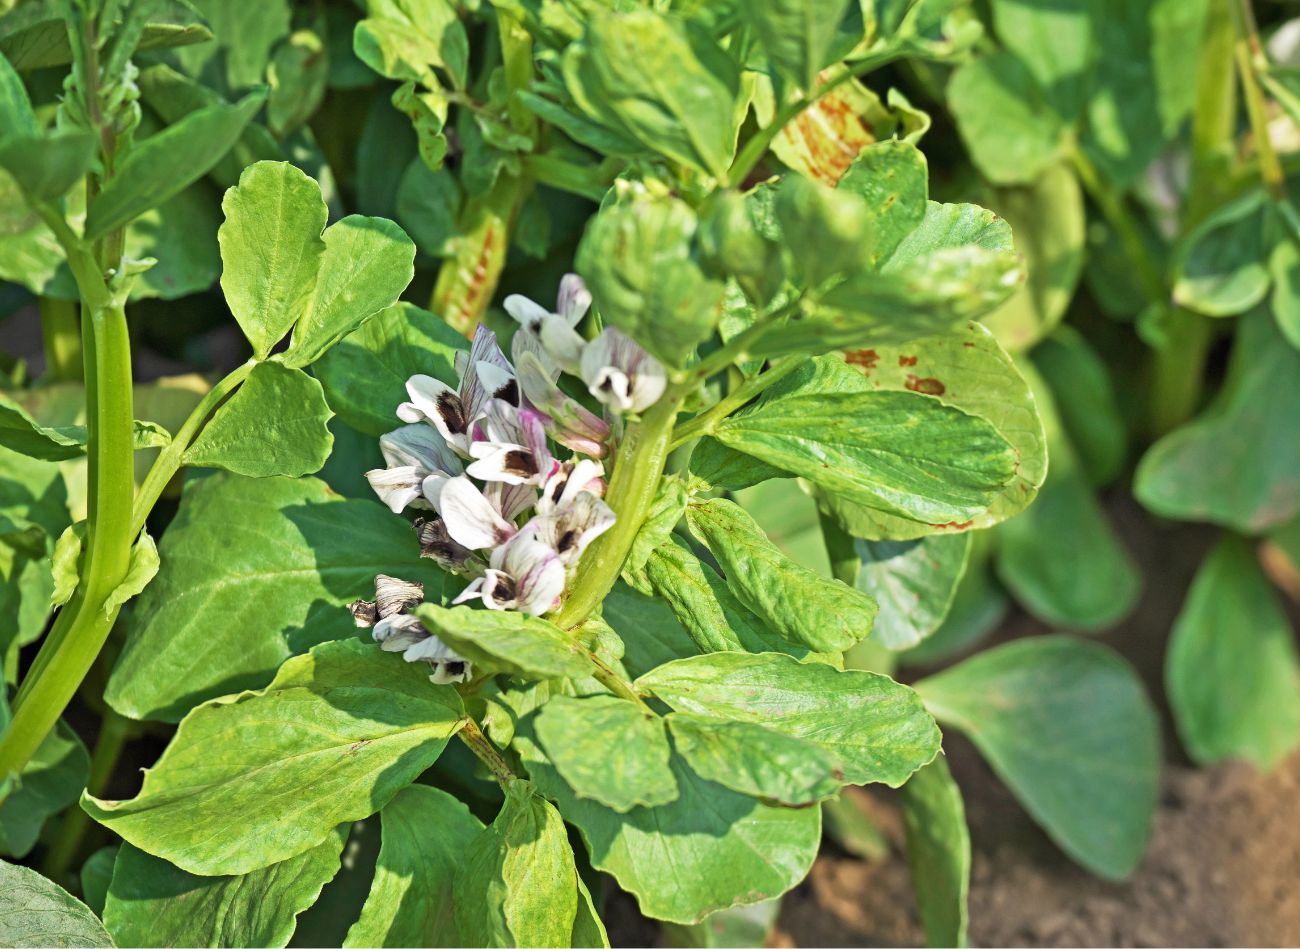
[{"x": 461, "y": 619}]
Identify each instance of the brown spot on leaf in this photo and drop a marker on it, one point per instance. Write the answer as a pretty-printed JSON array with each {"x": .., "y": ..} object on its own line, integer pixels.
[
  {"x": 954, "y": 525},
  {"x": 865, "y": 359},
  {"x": 926, "y": 385},
  {"x": 907, "y": 360}
]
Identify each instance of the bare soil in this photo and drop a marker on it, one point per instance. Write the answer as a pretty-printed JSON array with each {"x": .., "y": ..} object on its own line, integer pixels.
[{"x": 1222, "y": 868}]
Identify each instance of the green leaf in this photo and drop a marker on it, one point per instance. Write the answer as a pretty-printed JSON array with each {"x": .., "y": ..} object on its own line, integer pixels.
[
  {"x": 708, "y": 850},
  {"x": 608, "y": 750},
  {"x": 33, "y": 500},
  {"x": 271, "y": 247},
  {"x": 253, "y": 571},
  {"x": 297, "y": 76},
  {"x": 968, "y": 370},
  {"x": 244, "y": 37},
  {"x": 797, "y": 36},
  {"x": 165, "y": 163},
  {"x": 665, "y": 512},
  {"x": 1011, "y": 131},
  {"x": 1231, "y": 669},
  {"x": 636, "y": 259},
  {"x": 877, "y": 728},
  {"x": 709, "y": 612},
  {"x": 16, "y": 115},
  {"x": 1144, "y": 82},
  {"x": 401, "y": 39},
  {"x": 36, "y": 912},
  {"x": 22, "y": 433},
  {"x": 1067, "y": 725},
  {"x": 95, "y": 875},
  {"x": 335, "y": 735},
  {"x": 897, "y": 452},
  {"x": 274, "y": 424},
  {"x": 1098, "y": 583},
  {"x": 1054, "y": 44},
  {"x": 47, "y": 164},
  {"x": 827, "y": 232},
  {"x": 914, "y": 583},
  {"x": 514, "y": 643},
  {"x": 1047, "y": 216},
  {"x": 957, "y": 265},
  {"x": 365, "y": 373},
  {"x": 427, "y": 206},
  {"x": 52, "y": 780},
  {"x": 659, "y": 81},
  {"x": 366, "y": 264},
  {"x": 1085, "y": 398},
  {"x": 518, "y": 885},
  {"x": 1284, "y": 268},
  {"x": 426, "y": 834},
  {"x": 938, "y": 849},
  {"x": 152, "y": 903},
  {"x": 651, "y": 633},
  {"x": 1221, "y": 268},
  {"x": 141, "y": 569},
  {"x": 37, "y": 35},
  {"x": 1236, "y": 463},
  {"x": 751, "y": 759},
  {"x": 893, "y": 179},
  {"x": 588, "y": 928},
  {"x": 802, "y": 607}
]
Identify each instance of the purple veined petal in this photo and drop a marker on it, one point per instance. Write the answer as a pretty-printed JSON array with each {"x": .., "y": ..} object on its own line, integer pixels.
[
  {"x": 474, "y": 389},
  {"x": 421, "y": 446},
  {"x": 572, "y": 425},
  {"x": 539, "y": 576},
  {"x": 399, "y": 632},
  {"x": 500, "y": 422},
  {"x": 562, "y": 343},
  {"x": 527, "y": 342},
  {"x": 471, "y": 519},
  {"x": 570, "y": 480},
  {"x": 527, "y": 313},
  {"x": 573, "y": 300},
  {"x": 510, "y": 499},
  {"x": 621, "y": 374},
  {"x": 397, "y": 487},
  {"x": 569, "y": 529},
  {"x": 495, "y": 588}
]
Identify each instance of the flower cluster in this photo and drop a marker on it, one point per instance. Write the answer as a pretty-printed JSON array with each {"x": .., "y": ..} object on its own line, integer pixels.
[{"x": 494, "y": 503}]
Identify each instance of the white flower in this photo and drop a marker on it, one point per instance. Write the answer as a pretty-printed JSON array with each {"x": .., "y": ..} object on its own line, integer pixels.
[
  {"x": 484, "y": 374},
  {"x": 397, "y": 631},
  {"x": 568, "y": 479},
  {"x": 553, "y": 337},
  {"x": 472, "y": 520},
  {"x": 567, "y": 421},
  {"x": 524, "y": 574},
  {"x": 413, "y": 454},
  {"x": 571, "y": 527},
  {"x": 516, "y": 451},
  {"x": 620, "y": 373}
]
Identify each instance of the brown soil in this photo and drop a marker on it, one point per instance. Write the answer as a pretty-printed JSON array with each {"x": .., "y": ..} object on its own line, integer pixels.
[{"x": 1222, "y": 868}]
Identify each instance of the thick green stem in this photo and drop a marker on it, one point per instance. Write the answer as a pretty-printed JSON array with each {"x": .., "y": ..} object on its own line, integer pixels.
[
  {"x": 631, "y": 491},
  {"x": 61, "y": 332},
  {"x": 83, "y": 626},
  {"x": 169, "y": 460}
]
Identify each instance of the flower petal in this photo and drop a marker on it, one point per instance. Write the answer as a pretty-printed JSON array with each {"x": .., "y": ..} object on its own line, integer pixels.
[
  {"x": 574, "y": 299},
  {"x": 393, "y": 595},
  {"x": 396, "y": 487},
  {"x": 471, "y": 519}
]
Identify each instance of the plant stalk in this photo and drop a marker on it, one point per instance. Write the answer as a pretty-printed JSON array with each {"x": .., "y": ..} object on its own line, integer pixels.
[
  {"x": 1249, "y": 54},
  {"x": 707, "y": 421},
  {"x": 486, "y": 752},
  {"x": 631, "y": 492}
]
